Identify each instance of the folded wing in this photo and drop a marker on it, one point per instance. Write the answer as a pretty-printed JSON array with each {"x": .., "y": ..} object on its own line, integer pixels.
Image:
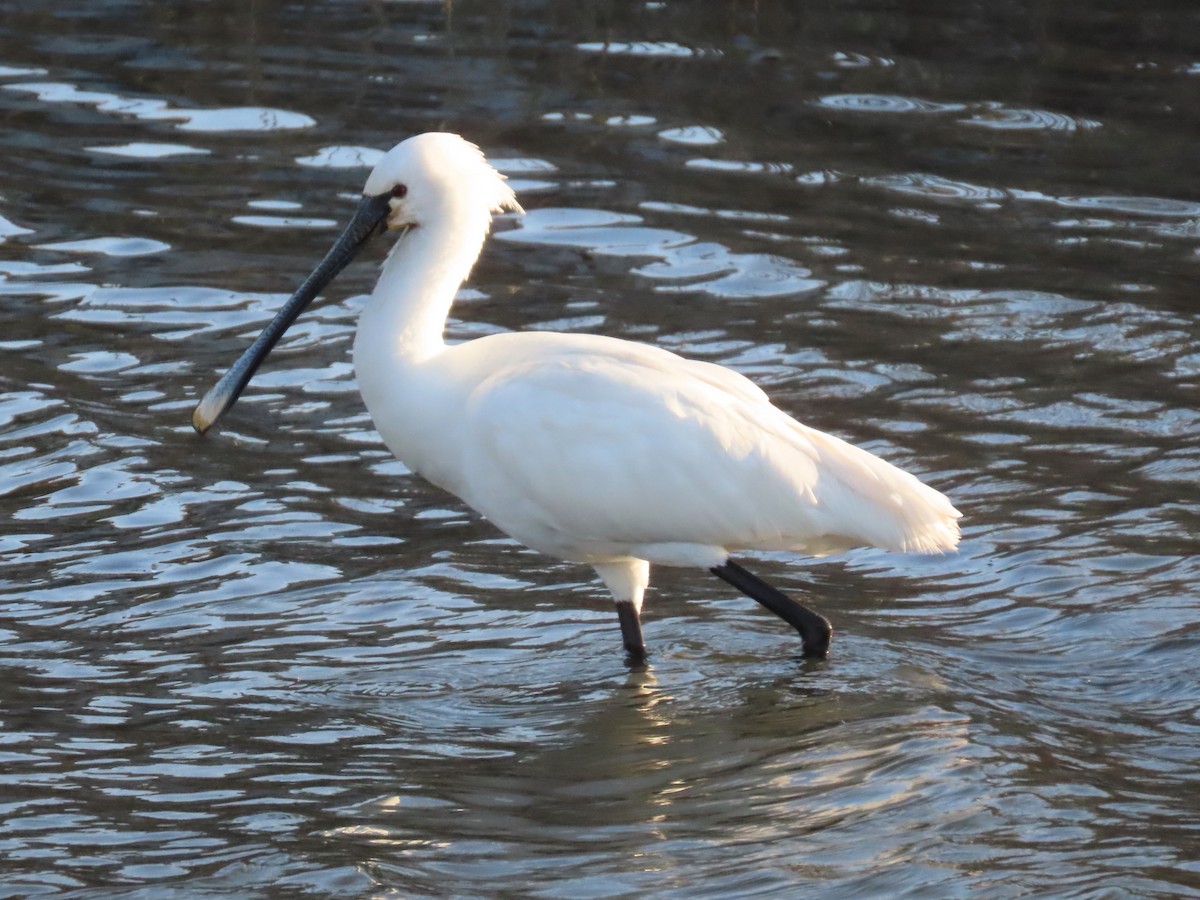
[{"x": 596, "y": 449}]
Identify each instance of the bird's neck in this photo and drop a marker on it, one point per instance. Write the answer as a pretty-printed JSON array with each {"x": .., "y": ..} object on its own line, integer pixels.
[{"x": 406, "y": 315}]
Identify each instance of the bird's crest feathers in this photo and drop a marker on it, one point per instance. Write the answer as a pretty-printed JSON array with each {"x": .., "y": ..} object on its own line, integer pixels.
[{"x": 446, "y": 159}]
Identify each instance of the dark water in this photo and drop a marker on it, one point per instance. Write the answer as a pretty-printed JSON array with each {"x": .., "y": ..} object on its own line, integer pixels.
[{"x": 269, "y": 663}]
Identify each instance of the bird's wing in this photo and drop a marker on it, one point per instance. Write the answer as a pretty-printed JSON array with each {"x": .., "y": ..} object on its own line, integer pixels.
[{"x": 644, "y": 448}]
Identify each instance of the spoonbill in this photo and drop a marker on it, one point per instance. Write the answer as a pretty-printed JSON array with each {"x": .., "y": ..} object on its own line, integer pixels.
[{"x": 587, "y": 448}]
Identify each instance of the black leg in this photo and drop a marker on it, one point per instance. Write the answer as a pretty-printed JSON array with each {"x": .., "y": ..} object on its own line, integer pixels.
[
  {"x": 631, "y": 631},
  {"x": 815, "y": 630}
]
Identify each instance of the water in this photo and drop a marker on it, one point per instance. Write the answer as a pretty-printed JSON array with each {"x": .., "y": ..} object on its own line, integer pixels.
[{"x": 270, "y": 662}]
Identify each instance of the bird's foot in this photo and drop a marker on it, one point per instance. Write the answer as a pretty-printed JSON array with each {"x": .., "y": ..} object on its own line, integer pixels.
[
  {"x": 815, "y": 630},
  {"x": 816, "y": 637}
]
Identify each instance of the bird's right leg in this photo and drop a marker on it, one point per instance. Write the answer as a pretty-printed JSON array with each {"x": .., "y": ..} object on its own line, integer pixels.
[{"x": 815, "y": 630}]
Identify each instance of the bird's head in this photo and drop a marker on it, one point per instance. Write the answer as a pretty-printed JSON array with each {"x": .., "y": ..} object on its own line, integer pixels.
[
  {"x": 438, "y": 177},
  {"x": 431, "y": 180}
]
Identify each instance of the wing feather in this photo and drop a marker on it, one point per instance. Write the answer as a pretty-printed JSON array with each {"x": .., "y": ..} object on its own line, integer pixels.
[{"x": 585, "y": 449}]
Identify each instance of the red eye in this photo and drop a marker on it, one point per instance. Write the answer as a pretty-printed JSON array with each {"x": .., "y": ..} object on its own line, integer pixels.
[{"x": 400, "y": 190}]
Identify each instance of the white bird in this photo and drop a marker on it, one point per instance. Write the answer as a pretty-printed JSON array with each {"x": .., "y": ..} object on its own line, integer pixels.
[{"x": 587, "y": 448}]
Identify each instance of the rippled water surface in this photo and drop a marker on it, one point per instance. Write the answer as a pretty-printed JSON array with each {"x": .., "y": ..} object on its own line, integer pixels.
[{"x": 270, "y": 662}]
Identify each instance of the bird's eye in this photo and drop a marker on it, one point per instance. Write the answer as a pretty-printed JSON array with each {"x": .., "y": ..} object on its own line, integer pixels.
[{"x": 399, "y": 191}]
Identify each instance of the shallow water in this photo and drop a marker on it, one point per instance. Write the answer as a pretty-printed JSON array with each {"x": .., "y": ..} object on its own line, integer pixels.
[{"x": 966, "y": 238}]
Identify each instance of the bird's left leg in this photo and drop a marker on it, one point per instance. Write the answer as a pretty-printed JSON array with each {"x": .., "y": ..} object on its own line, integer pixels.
[
  {"x": 815, "y": 630},
  {"x": 627, "y": 579},
  {"x": 631, "y": 631}
]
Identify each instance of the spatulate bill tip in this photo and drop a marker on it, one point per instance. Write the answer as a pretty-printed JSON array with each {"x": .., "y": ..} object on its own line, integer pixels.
[{"x": 206, "y": 413}]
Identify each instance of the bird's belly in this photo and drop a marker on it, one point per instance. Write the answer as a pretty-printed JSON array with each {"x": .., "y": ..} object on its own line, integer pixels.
[
  {"x": 547, "y": 531},
  {"x": 574, "y": 548}
]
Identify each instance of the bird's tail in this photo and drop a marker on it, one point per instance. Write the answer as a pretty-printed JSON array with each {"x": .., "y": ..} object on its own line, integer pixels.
[{"x": 886, "y": 505}]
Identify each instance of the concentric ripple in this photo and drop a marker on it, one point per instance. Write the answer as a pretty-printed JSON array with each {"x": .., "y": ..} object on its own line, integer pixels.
[
  {"x": 1002, "y": 118},
  {"x": 885, "y": 103}
]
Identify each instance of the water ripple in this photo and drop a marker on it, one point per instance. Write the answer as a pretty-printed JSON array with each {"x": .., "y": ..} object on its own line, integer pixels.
[
  {"x": 885, "y": 103},
  {"x": 935, "y": 187},
  {"x": 1140, "y": 206},
  {"x": 739, "y": 166},
  {"x": 1003, "y": 118},
  {"x": 715, "y": 270}
]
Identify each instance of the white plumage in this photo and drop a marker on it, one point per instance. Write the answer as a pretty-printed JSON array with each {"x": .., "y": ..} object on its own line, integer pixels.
[{"x": 589, "y": 448}]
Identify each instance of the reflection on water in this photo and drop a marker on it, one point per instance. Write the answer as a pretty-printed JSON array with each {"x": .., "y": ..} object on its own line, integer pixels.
[{"x": 271, "y": 661}]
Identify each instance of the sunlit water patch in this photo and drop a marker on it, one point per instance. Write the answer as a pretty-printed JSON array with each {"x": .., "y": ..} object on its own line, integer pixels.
[
  {"x": 692, "y": 134},
  {"x": 740, "y": 215},
  {"x": 110, "y": 246},
  {"x": 653, "y": 49},
  {"x": 342, "y": 157},
  {"x": 847, "y": 60},
  {"x": 20, "y": 72},
  {"x": 261, "y": 221},
  {"x": 149, "y": 150},
  {"x": 249, "y": 118},
  {"x": 11, "y": 229},
  {"x": 516, "y": 165},
  {"x": 682, "y": 262}
]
